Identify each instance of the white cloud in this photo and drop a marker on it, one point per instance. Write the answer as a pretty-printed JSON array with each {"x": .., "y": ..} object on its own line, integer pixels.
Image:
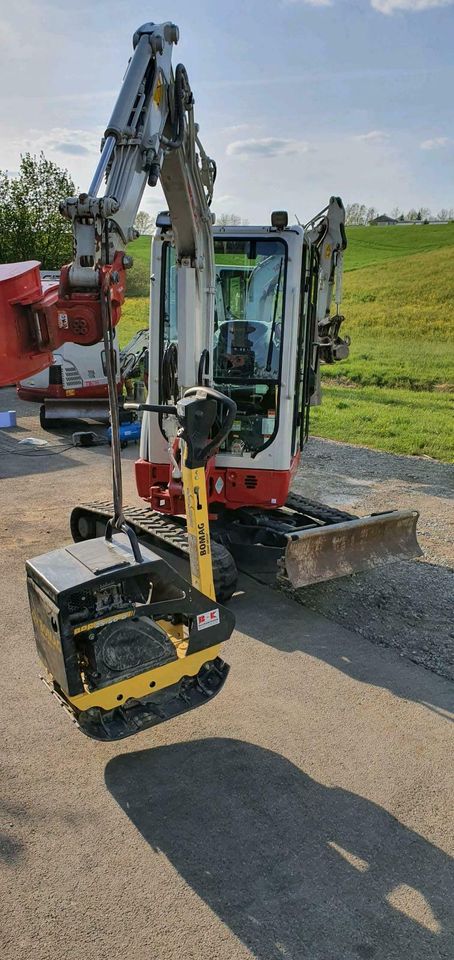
[
  {"x": 412, "y": 6},
  {"x": 374, "y": 136},
  {"x": 435, "y": 144},
  {"x": 265, "y": 147},
  {"x": 75, "y": 143}
]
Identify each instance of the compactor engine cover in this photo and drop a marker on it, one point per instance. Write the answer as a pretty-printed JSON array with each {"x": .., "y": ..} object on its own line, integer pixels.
[{"x": 127, "y": 644}]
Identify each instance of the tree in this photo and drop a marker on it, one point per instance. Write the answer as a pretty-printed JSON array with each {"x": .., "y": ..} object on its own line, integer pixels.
[
  {"x": 351, "y": 213},
  {"x": 412, "y": 214},
  {"x": 396, "y": 213},
  {"x": 145, "y": 223},
  {"x": 443, "y": 214},
  {"x": 31, "y": 226},
  {"x": 230, "y": 220},
  {"x": 424, "y": 213},
  {"x": 371, "y": 214},
  {"x": 356, "y": 214}
]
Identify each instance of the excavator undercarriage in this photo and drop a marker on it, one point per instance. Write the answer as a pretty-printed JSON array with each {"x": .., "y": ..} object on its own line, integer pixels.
[{"x": 305, "y": 541}]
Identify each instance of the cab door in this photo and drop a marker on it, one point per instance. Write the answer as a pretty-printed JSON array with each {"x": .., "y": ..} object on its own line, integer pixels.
[{"x": 306, "y": 361}]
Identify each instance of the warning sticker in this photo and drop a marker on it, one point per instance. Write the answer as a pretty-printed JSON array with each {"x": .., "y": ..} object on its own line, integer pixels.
[
  {"x": 209, "y": 619},
  {"x": 268, "y": 425}
]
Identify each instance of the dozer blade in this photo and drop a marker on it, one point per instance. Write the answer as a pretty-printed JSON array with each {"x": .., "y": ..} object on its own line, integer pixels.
[{"x": 338, "y": 549}]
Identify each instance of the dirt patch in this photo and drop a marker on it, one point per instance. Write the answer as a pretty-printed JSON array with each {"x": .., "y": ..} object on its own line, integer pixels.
[{"x": 407, "y": 605}]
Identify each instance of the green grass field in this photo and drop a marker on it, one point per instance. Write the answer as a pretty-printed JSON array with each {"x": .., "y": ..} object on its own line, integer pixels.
[
  {"x": 400, "y": 421},
  {"x": 368, "y": 246},
  {"x": 140, "y": 249},
  {"x": 396, "y": 390},
  {"x": 134, "y": 316}
]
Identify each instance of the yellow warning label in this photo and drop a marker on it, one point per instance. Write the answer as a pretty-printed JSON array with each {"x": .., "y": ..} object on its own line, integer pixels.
[{"x": 158, "y": 93}]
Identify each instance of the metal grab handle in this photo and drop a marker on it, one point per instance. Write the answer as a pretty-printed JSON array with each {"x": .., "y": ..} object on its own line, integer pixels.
[
  {"x": 227, "y": 422},
  {"x": 130, "y": 533},
  {"x": 204, "y": 367},
  {"x": 165, "y": 408}
]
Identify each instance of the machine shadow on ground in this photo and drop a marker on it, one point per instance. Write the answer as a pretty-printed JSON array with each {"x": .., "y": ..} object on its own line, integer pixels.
[
  {"x": 259, "y": 613},
  {"x": 18, "y": 460},
  {"x": 294, "y": 868},
  {"x": 18, "y": 463}
]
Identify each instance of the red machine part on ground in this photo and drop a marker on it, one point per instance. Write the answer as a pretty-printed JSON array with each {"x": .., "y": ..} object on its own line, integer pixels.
[{"x": 34, "y": 322}]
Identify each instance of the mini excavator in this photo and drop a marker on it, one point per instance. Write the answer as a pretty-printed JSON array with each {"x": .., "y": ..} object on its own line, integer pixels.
[{"x": 241, "y": 322}]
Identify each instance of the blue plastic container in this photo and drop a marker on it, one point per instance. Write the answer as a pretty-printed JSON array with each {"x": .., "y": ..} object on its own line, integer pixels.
[
  {"x": 7, "y": 418},
  {"x": 129, "y": 433}
]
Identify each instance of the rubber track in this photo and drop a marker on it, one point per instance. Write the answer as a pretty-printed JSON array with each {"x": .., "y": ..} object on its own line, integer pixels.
[
  {"x": 172, "y": 534},
  {"x": 320, "y": 511},
  {"x": 167, "y": 532}
]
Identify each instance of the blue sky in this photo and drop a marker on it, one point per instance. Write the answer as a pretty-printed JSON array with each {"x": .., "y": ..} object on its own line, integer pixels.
[{"x": 296, "y": 99}]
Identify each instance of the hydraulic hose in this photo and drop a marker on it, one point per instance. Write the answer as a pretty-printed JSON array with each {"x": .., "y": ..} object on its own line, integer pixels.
[
  {"x": 169, "y": 374},
  {"x": 183, "y": 99}
]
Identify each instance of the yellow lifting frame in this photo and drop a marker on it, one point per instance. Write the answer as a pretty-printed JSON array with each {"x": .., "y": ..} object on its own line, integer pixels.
[{"x": 197, "y": 523}]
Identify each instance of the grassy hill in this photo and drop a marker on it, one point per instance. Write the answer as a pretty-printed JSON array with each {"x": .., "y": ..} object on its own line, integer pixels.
[
  {"x": 396, "y": 390},
  {"x": 368, "y": 246},
  {"x": 400, "y": 317}
]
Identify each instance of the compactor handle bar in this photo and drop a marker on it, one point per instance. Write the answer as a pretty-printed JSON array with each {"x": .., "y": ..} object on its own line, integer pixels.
[
  {"x": 195, "y": 421},
  {"x": 164, "y": 408},
  {"x": 130, "y": 533},
  {"x": 227, "y": 404}
]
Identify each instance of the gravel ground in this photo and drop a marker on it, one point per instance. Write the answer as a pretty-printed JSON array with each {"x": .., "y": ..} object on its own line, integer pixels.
[{"x": 407, "y": 605}]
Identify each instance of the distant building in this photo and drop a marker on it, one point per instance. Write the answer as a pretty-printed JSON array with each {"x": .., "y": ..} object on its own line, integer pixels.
[{"x": 383, "y": 221}]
